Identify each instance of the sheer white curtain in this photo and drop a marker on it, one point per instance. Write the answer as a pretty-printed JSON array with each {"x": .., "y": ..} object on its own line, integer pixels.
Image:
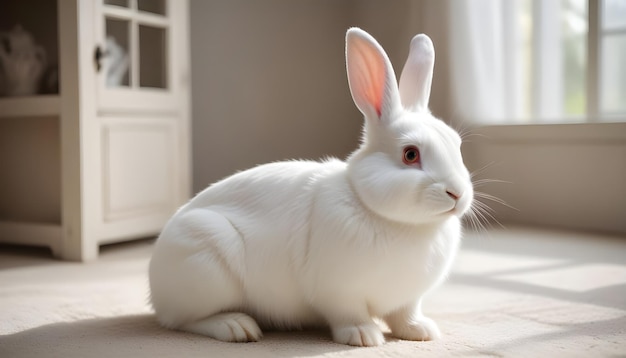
[{"x": 485, "y": 61}]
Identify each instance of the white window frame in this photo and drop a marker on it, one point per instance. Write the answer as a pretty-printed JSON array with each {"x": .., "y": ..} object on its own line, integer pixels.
[
  {"x": 594, "y": 22},
  {"x": 596, "y": 35}
]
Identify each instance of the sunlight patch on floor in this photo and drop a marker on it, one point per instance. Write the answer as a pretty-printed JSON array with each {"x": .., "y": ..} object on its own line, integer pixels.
[
  {"x": 577, "y": 278},
  {"x": 483, "y": 263}
]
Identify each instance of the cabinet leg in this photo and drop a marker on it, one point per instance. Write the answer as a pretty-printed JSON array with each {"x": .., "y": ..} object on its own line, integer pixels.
[{"x": 80, "y": 252}]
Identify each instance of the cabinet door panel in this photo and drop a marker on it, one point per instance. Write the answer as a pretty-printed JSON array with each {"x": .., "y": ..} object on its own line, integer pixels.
[{"x": 138, "y": 169}]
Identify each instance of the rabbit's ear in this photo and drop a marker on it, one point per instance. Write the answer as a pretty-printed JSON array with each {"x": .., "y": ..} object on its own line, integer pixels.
[
  {"x": 417, "y": 75},
  {"x": 370, "y": 76}
]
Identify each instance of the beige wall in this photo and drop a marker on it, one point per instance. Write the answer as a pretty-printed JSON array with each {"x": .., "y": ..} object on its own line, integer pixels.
[
  {"x": 268, "y": 84},
  {"x": 568, "y": 176}
]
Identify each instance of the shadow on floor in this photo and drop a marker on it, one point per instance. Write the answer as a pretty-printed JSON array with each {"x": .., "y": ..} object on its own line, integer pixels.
[
  {"x": 141, "y": 336},
  {"x": 15, "y": 256}
]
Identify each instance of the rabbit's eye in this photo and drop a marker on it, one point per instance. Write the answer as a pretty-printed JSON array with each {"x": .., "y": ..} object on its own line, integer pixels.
[{"x": 411, "y": 155}]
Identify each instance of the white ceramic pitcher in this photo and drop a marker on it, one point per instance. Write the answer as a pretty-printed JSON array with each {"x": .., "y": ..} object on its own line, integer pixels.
[{"x": 22, "y": 63}]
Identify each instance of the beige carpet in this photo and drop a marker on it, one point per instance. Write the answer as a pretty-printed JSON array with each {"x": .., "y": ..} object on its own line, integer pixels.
[{"x": 513, "y": 293}]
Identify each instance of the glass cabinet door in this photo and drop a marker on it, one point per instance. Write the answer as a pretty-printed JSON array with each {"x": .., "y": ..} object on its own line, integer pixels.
[{"x": 134, "y": 57}]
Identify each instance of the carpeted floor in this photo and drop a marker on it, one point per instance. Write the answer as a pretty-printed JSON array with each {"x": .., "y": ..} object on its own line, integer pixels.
[{"x": 513, "y": 293}]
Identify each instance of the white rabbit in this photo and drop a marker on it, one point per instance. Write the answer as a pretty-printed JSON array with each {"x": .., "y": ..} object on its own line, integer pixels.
[{"x": 301, "y": 243}]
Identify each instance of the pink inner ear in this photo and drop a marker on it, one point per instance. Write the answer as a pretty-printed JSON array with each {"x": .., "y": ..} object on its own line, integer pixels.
[
  {"x": 376, "y": 87},
  {"x": 371, "y": 80}
]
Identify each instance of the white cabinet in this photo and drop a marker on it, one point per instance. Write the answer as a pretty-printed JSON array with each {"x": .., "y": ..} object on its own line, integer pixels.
[{"x": 107, "y": 157}]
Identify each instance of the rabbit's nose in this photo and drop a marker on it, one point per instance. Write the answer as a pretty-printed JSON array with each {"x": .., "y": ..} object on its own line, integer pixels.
[{"x": 453, "y": 195}]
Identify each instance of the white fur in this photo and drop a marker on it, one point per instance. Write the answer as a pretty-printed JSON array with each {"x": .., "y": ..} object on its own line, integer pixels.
[{"x": 301, "y": 243}]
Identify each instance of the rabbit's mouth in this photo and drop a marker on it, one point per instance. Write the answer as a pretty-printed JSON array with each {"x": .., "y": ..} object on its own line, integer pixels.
[
  {"x": 460, "y": 210},
  {"x": 457, "y": 210}
]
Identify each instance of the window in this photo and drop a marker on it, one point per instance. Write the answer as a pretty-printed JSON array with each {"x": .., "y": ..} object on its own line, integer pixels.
[
  {"x": 612, "y": 61},
  {"x": 572, "y": 56}
]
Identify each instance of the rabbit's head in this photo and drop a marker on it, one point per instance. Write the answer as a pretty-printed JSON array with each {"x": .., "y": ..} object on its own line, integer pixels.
[{"x": 409, "y": 167}]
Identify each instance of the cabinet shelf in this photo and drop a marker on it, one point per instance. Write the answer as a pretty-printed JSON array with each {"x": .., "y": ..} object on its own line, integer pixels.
[{"x": 30, "y": 106}]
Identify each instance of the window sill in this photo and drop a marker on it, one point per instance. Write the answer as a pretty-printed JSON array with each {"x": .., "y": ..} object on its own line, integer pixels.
[{"x": 582, "y": 133}]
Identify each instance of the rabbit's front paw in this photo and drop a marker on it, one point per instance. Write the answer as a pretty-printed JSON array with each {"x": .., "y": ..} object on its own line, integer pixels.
[
  {"x": 420, "y": 329},
  {"x": 227, "y": 327},
  {"x": 363, "y": 335}
]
